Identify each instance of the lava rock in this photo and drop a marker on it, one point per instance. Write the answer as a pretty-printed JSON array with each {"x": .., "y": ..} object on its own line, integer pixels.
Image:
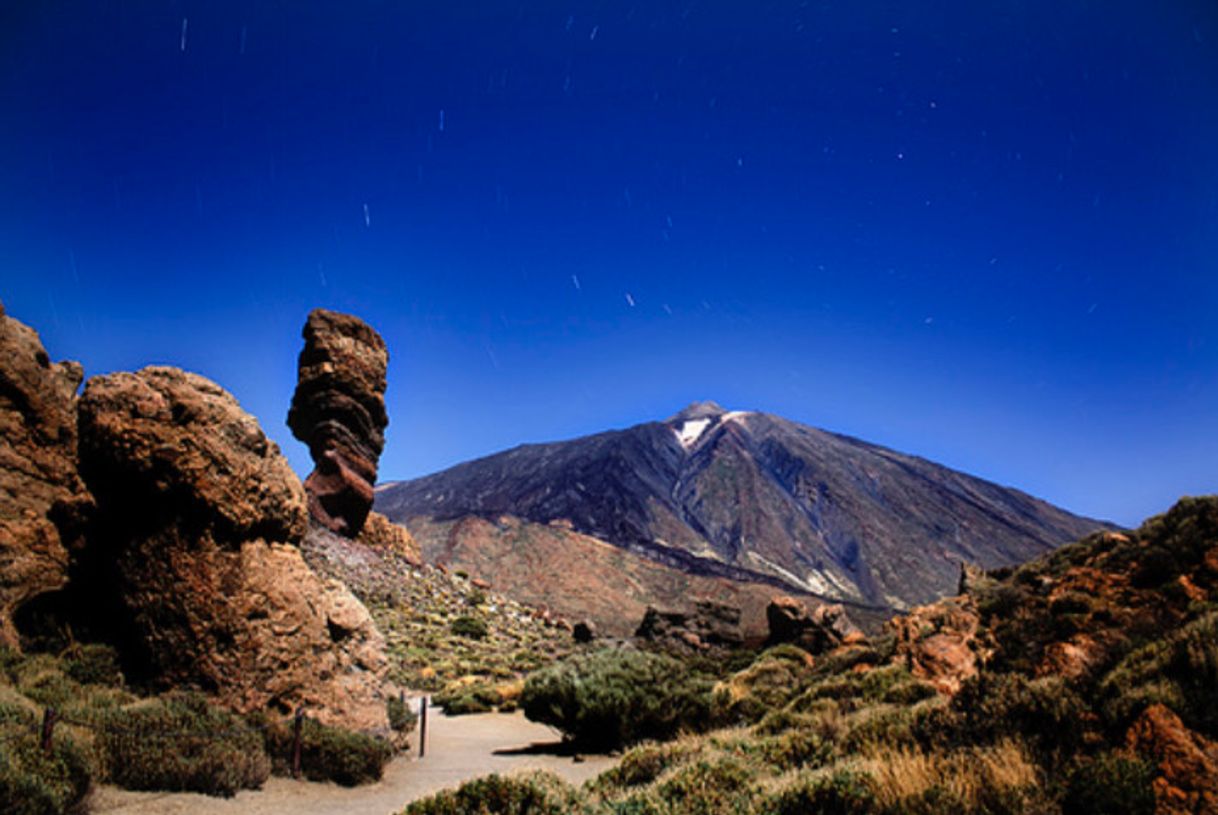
[
  {"x": 193, "y": 555},
  {"x": 822, "y": 629},
  {"x": 708, "y": 624},
  {"x": 43, "y": 502},
  {"x": 338, "y": 410}
]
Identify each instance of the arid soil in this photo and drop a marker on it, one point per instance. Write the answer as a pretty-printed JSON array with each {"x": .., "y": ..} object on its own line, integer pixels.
[{"x": 458, "y": 748}]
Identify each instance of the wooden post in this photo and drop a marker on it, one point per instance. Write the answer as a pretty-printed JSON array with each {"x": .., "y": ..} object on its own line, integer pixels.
[
  {"x": 422, "y": 726},
  {"x": 48, "y": 728},
  {"x": 296, "y": 728}
]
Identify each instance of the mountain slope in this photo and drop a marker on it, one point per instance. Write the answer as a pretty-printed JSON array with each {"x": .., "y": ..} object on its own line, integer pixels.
[{"x": 755, "y": 497}]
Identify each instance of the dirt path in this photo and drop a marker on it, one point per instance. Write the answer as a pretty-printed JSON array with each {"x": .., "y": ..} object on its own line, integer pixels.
[{"x": 458, "y": 748}]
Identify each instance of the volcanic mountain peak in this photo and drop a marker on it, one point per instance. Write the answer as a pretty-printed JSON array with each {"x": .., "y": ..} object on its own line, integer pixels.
[{"x": 756, "y": 497}]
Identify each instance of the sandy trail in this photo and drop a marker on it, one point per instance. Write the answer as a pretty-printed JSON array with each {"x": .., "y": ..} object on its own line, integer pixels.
[{"x": 458, "y": 748}]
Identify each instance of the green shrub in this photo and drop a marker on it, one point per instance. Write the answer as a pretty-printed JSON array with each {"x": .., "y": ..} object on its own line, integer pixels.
[
  {"x": 466, "y": 626},
  {"x": 182, "y": 743},
  {"x": 401, "y": 718},
  {"x": 35, "y": 783},
  {"x": 537, "y": 793},
  {"x": 1111, "y": 785},
  {"x": 93, "y": 664},
  {"x": 843, "y": 792},
  {"x": 642, "y": 765},
  {"x": 769, "y": 683},
  {"x": 616, "y": 697},
  {"x": 328, "y": 753},
  {"x": 796, "y": 748},
  {"x": 707, "y": 788}
]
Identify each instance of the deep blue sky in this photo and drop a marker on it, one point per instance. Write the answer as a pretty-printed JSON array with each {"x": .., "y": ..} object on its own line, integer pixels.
[{"x": 982, "y": 232}]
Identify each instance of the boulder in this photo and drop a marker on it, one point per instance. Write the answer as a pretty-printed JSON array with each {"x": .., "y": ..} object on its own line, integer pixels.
[
  {"x": 43, "y": 502},
  {"x": 193, "y": 555},
  {"x": 708, "y": 624},
  {"x": 1187, "y": 762},
  {"x": 584, "y": 631},
  {"x": 822, "y": 629},
  {"x": 942, "y": 642},
  {"x": 383, "y": 534},
  {"x": 338, "y": 410}
]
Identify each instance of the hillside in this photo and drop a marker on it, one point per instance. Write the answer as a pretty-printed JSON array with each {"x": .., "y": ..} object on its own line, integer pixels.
[{"x": 755, "y": 498}]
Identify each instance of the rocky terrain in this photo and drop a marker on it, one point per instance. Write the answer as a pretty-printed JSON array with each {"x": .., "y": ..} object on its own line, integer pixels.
[
  {"x": 579, "y": 577},
  {"x": 752, "y": 498},
  {"x": 338, "y": 410},
  {"x": 152, "y": 513}
]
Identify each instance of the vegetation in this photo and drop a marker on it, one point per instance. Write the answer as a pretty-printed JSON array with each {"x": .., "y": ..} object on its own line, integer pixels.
[
  {"x": 619, "y": 696},
  {"x": 1073, "y": 650},
  {"x": 328, "y": 753}
]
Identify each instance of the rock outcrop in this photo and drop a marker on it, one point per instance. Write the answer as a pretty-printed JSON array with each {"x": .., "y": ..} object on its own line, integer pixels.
[
  {"x": 942, "y": 643},
  {"x": 1187, "y": 762},
  {"x": 339, "y": 411},
  {"x": 193, "y": 553},
  {"x": 708, "y": 624},
  {"x": 42, "y": 500},
  {"x": 822, "y": 629},
  {"x": 381, "y": 533}
]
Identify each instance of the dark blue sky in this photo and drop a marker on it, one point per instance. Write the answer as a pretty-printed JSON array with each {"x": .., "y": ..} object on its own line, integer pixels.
[{"x": 985, "y": 233}]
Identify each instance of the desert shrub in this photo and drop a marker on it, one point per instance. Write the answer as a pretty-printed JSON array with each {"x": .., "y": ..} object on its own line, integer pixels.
[
  {"x": 460, "y": 701},
  {"x": 1111, "y": 784},
  {"x": 998, "y": 779},
  {"x": 182, "y": 743},
  {"x": 642, "y": 765},
  {"x": 989, "y": 707},
  {"x": 768, "y": 683},
  {"x": 908, "y": 692},
  {"x": 795, "y": 748},
  {"x": 471, "y": 627},
  {"x": 843, "y": 792},
  {"x": 328, "y": 753},
  {"x": 616, "y": 697},
  {"x": 401, "y": 718},
  {"x": 707, "y": 788},
  {"x": 475, "y": 598},
  {"x": 1180, "y": 671},
  {"x": 33, "y": 782},
  {"x": 537, "y": 793},
  {"x": 880, "y": 725},
  {"x": 93, "y": 664}
]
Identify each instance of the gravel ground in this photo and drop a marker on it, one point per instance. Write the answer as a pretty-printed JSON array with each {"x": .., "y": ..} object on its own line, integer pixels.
[{"x": 458, "y": 748}]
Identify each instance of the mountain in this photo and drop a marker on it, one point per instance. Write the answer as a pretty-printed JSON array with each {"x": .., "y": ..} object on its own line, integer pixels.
[{"x": 755, "y": 497}]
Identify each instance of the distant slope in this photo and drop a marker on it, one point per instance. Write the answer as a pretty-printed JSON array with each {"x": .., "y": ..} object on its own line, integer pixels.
[{"x": 755, "y": 497}]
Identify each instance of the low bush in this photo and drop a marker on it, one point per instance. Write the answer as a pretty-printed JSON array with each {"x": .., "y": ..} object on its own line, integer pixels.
[
  {"x": 401, "y": 718},
  {"x": 616, "y": 697},
  {"x": 537, "y": 793},
  {"x": 843, "y": 792},
  {"x": 466, "y": 626},
  {"x": 767, "y": 684},
  {"x": 182, "y": 743},
  {"x": 707, "y": 788},
  {"x": 33, "y": 782},
  {"x": 328, "y": 753},
  {"x": 642, "y": 765},
  {"x": 93, "y": 664},
  {"x": 1111, "y": 785}
]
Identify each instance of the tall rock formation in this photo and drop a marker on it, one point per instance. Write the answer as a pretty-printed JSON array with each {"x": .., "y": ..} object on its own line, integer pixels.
[
  {"x": 42, "y": 499},
  {"x": 193, "y": 558},
  {"x": 339, "y": 411}
]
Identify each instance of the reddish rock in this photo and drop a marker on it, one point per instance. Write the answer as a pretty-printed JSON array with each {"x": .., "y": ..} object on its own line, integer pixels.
[
  {"x": 381, "y": 533},
  {"x": 707, "y": 624},
  {"x": 43, "y": 502},
  {"x": 940, "y": 642},
  {"x": 1187, "y": 762},
  {"x": 339, "y": 411},
  {"x": 193, "y": 551}
]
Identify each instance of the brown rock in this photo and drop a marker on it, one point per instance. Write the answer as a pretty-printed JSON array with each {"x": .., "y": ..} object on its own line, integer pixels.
[
  {"x": 1075, "y": 658},
  {"x": 940, "y": 642},
  {"x": 381, "y": 533},
  {"x": 194, "y": 546},
  {"x": 1187, "y": 762},
  {"x": 820, "y": 630},
  {"x": 339, "y": 411},
  {"x": 43, "y": 502},
  {"x": 707, "y": 624}
]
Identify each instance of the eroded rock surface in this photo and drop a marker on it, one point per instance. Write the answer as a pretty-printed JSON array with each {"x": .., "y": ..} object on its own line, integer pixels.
[
  {"x": 339, "y": 411},
  {"x": 823, "y": 628},
  {"x": 194, "y": 548},
  {"x": 1187, "y": 762},
  {"x": 708, "y": 624},
  {"x": 42, "y": 499},
  {"x": 941, "y": 643},
  {"x": 381, "y": 533}
]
